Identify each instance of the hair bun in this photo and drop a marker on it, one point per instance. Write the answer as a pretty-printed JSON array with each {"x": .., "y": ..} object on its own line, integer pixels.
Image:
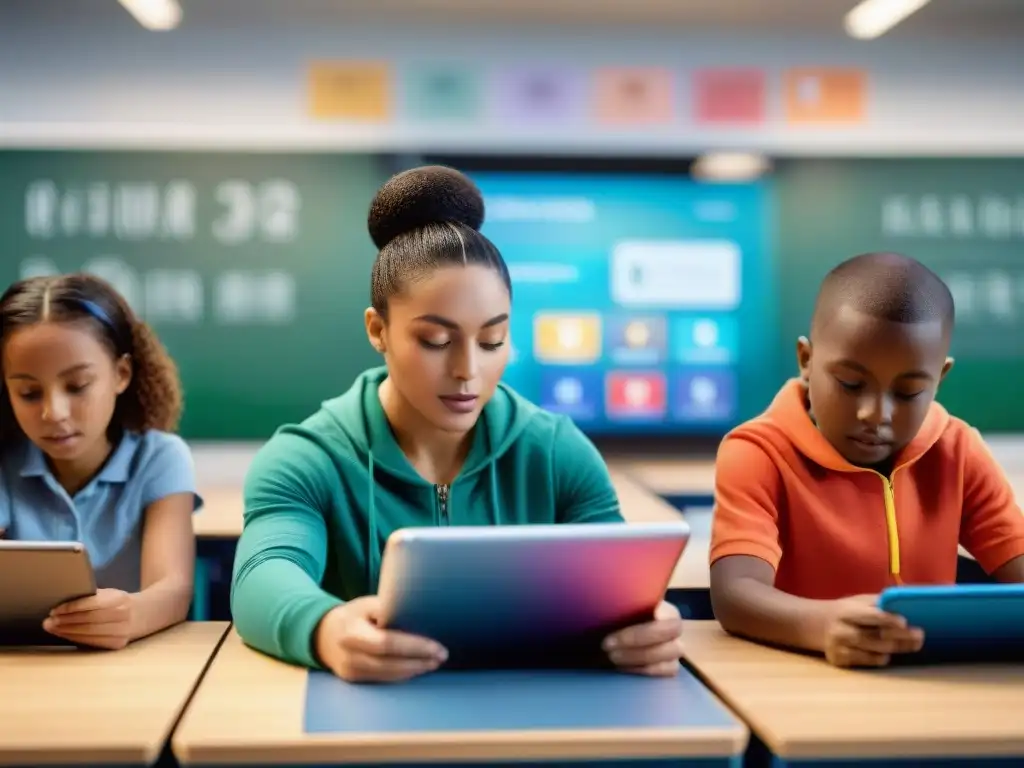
[{"x": 421, "y": 196}]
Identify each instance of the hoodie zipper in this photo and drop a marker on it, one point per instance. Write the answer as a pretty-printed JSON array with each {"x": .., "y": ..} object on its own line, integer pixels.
[
  {"x": 889, "y": 499},
  {"x": 442, "y": 500}
]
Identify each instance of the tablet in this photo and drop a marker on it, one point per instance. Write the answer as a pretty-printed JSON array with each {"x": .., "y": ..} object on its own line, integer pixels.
[
  {"x": 35, "y": 577},
  {"x": 968, "y": 622},
  {"x": 527, "y": 595}
]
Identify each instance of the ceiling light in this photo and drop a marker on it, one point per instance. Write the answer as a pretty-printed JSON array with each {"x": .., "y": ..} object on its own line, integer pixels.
[
  {"x": 872, "y": 18},
  {"x": 154, "y": 15},
  {"x": 730, "y": 166}
]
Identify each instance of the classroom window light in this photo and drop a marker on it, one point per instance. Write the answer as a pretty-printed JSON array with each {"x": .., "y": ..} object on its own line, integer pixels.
[
  {"x": 873, "y": 18},
  {"x": 154, "y": 15},
  {"x": 730, "y": 166}
]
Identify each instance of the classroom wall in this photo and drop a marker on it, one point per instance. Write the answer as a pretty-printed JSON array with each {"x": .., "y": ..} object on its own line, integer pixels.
[
  {"x": 114, "y": 84},
  {"x": 250, "y": 365}
]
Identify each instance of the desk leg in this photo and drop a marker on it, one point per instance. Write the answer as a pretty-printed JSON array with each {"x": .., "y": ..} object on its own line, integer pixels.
[
  {"x": 201, "y": 590},
  {"x": 693, "y": 604}
]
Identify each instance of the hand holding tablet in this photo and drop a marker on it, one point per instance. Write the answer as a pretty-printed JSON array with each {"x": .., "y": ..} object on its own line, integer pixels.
[
  {"x": 349, "y": 642},
  {"x": 653, "y": 648},
  {"x": 35, "y": 578},
  {"x": 858, "y": 633}
]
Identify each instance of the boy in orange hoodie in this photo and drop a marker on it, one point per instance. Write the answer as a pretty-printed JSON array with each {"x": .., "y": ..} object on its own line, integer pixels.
[{"x": 855, "y": 479}]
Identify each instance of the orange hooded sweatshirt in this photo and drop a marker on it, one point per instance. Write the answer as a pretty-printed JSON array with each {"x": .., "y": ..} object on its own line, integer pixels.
[{"x": 831, "y": 529}]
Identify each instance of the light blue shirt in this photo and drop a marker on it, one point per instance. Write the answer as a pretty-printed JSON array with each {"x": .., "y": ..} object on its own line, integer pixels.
[{"x": 107, "y": 515}]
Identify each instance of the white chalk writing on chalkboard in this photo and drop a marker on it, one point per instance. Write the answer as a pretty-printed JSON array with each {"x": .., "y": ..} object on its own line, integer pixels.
[
  {"x": 138, "y": 211},
  {"x": 129, "y": 211},
  {"x": 986, "y": 296},
  {"x": 988, "y": 217},
  {"x": 270, "y": 209},
  {"x": 246, "y": 298},
  {"x": 179, "y": 296}
]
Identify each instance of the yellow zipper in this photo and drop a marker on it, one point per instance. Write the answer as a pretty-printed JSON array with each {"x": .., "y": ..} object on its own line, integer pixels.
[{"x": 891, "y": 526}]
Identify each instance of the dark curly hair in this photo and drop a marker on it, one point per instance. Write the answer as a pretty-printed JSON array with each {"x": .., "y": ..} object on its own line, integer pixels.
[
  {"x": 424, "y": 219},
  {"x": 153, "y": 398}
]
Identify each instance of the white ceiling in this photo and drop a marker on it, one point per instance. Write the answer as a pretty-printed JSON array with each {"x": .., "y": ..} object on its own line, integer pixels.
[{"x": 946, "y": 18}]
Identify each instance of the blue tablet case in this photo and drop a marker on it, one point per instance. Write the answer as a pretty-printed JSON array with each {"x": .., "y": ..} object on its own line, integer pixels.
[{"x": 971, "y": 622}]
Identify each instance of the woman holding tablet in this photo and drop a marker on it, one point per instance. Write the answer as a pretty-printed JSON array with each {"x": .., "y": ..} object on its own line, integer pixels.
[
  {"x": 431, "y": 438},
  {"x": 88, "y": 402}
]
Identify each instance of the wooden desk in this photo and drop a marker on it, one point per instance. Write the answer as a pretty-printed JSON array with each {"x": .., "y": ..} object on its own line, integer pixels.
[
  {"x": 250, "y": 709},
  {"x": 71, "y": 707},
  {"x": 221, "y": 515},
  {"x": 804, "y": 709},
  {"x": 674, "y": 477}
]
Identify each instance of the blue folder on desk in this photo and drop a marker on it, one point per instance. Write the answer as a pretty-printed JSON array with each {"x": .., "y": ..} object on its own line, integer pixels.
[{"x": 511, "y": 700}]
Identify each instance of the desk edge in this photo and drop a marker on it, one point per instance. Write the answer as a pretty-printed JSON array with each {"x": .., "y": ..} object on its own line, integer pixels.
[{"x": 726, "y": 741}]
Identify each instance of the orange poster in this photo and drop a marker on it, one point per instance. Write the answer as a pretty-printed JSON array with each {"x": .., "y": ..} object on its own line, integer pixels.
[
  {"x": 350, "y": 90},
  {"x": 819, "y": 95},
  {"x": 634, "y": 96}
]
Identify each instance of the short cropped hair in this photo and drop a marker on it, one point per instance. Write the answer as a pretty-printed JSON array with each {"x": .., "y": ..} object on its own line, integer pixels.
[{"x": 887, "y": 286}]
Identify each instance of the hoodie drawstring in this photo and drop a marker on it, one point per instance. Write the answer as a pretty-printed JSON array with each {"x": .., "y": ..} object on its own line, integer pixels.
[
  {"x": 495, "y": 508},
  {"x": 373, "y": 546}
]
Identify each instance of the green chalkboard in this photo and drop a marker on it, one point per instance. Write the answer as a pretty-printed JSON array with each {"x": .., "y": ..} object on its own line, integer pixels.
[
  {"x": 253, "y": 268},
  {"x": 964, "y": 218}
]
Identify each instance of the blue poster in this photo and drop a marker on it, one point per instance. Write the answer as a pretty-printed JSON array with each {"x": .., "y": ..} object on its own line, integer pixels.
[{"x": 640, "y": 303}]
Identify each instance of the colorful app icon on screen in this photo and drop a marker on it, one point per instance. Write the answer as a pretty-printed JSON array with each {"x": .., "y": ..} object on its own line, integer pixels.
[
  {"x": 637, "y": 339},
  {"x": 563, "y": 338},
  {"x": 575, "y": 393},
  {"x": 705, "y": 394},
  {"x": 639, "y": 395},
  {"x": 706, "y": 339}
]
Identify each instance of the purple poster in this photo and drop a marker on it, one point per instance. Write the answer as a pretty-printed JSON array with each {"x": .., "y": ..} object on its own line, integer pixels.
[{"x": 540, "y": 95}]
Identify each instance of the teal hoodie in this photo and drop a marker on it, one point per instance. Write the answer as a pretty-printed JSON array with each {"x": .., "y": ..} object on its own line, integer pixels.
[{"x": 322, "y": 497}]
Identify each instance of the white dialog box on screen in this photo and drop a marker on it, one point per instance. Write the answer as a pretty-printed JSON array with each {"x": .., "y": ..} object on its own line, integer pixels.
[{"x": 701, "y": 274}]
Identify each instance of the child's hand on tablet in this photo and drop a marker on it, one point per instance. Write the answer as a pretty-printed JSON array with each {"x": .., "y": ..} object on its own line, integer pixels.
[
  {"x": 350, "y": 644},
  {"x": 103, "y": 620},
  {"x": 652, "y": 648},
  {"x": 858, "y": 634}
]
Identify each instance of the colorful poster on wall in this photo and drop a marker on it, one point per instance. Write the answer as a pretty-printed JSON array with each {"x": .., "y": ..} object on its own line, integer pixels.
[
  {"x": 729, "y": 96},
  {"x": 634, "y": 96},
  {"x": 824, "y": 96},
  {"x": 350, "y": 90},
  {"x": 539, "y": 95},
  {"x": 441, "y": 93}
]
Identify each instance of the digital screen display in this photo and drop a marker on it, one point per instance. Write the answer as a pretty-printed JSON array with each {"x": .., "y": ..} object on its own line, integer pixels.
[{"x": 641, "y": 303}]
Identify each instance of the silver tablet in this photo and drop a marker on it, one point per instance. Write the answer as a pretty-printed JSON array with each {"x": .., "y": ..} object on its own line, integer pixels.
[
  {"x": 35, "y": 577},
  {"x": 527, "y": 595}
]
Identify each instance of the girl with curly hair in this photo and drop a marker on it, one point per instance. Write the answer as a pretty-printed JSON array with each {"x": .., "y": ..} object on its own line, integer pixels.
[{"x": 88, "y": 404}]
